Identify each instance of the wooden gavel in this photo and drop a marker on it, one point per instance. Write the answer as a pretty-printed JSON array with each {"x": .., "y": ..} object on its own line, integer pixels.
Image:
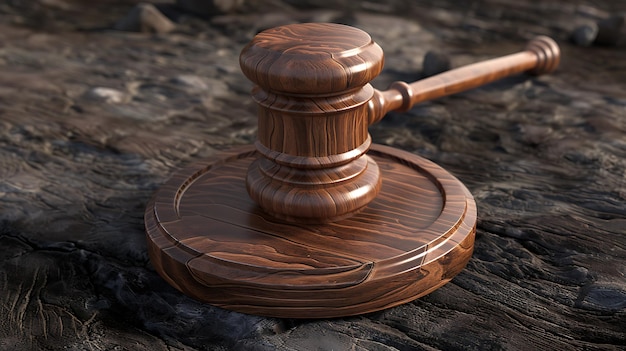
[{"x": 316, "y": 104}]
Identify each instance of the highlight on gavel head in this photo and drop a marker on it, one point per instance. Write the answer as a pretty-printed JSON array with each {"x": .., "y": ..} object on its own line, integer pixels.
[
  {"x": 312, "y": 89},
  {"x": 312, "y": 58}
]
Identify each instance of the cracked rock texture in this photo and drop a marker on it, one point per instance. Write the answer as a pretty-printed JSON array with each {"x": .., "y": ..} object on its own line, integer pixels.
[{"x": 93, "y": 120}]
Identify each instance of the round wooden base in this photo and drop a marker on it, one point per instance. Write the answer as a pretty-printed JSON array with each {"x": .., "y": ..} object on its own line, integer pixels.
[{"x": 210, "y": 241}]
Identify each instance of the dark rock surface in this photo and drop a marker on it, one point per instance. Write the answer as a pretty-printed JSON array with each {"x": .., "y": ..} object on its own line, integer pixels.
[
  {"x": 93, "y": 120},
  {"x": 209, "y": 7},
  {"x": 435, "y": 63},
  {"x": 585, "y": 35},
  {"x": 610, "y": 30}
]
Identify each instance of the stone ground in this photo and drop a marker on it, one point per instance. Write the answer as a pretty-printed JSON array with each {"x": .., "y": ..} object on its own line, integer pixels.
[{"x": 93, "y": 120}]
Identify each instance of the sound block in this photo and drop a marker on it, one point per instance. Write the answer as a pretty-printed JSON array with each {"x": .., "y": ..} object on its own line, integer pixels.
[{"x": 210, "y": 241}]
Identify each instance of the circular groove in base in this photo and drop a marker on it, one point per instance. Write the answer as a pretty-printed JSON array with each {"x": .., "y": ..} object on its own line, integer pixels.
[{"x": 210, "y": 241}]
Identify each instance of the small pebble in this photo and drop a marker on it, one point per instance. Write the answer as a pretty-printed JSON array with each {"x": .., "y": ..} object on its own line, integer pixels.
[
  {"x": 145, "y": 18},
  {"x": 214, "y": 87},
  {"x": 435, "y": 63},
  {"x": 106, "y": 94},
  {"x": 191, "y": 81},
  {"x": 610, "y": 30},
  {"x": 585, "y": 34}
]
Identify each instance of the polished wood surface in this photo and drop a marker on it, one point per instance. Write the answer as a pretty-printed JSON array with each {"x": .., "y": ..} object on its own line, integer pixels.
[
  {"x": 312, "y": 88},
  {"x": 312, "y": 58},
  {"x": 315, "y": 107},
  {"x": 313, "y": 220},
  {"x": 541, "y": 56},
  {"x": 210, "y": 241}
]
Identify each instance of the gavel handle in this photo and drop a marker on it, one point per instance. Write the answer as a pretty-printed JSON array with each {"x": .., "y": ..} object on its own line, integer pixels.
[{"x": 540, "y": 56}]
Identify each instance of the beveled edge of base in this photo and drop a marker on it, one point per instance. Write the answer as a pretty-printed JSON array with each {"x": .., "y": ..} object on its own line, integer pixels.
[{"x": 430, "y": 276}]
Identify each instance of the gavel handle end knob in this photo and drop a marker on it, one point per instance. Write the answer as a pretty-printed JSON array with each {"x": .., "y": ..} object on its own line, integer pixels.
[{"x": 547, "y": 52}]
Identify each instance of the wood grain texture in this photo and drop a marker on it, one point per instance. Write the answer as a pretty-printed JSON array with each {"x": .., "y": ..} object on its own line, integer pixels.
[
  {"x": 313, "y": 195},
  {"x": 311, "y": 58},
  {"x": 316, "y": 104},
  {"x": 312, "y": 89},
  {"x": 541, "y": 56},
  {"x": 210, "y": 241}
]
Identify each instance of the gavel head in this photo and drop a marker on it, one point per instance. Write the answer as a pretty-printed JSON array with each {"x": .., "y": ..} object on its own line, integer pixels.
[{"x": 312, "y": 88}]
